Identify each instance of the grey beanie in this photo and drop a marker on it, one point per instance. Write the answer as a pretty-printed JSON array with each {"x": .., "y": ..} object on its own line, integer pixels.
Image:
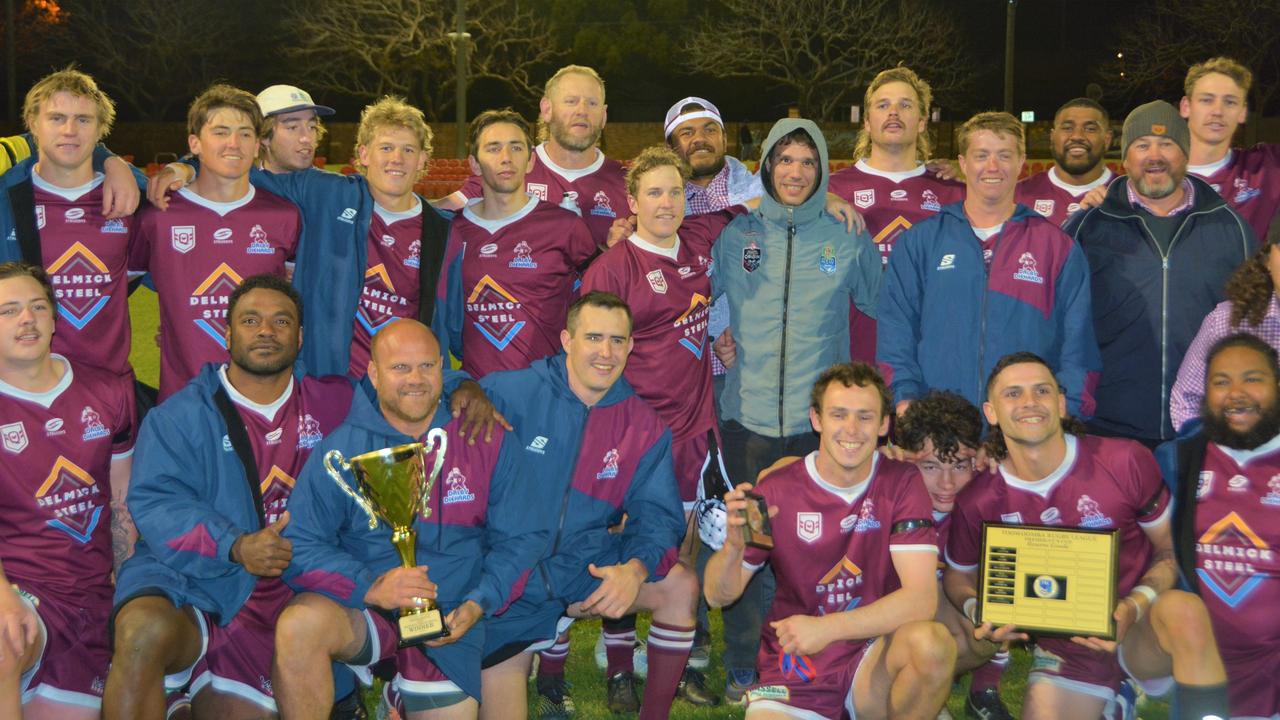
[{"x": 1155, "y": 118}]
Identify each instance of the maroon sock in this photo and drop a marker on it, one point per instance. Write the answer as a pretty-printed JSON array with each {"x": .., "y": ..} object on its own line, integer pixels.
[
  {"x": 551, "y": 660},
  {"x": 619, "y": 645},
  {"x": 669, "y": 647},
  {"x": 987, "y": 675}
]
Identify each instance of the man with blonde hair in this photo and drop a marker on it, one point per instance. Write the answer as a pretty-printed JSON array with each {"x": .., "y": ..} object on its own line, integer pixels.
[
  {"x": 1216, "y": 103},
  {"x": 984, "y": 278},
  {"x": 568, "y": 165},
  {"x": 889, "y": 183}
]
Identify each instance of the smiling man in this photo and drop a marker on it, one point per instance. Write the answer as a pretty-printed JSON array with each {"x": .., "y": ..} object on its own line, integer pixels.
[
  {"x": 1079, "y": 141},
  {"x": 1160, "y": 247},
  {"x": 984, "y": 278},
  {"x": 292, "y": 130}
]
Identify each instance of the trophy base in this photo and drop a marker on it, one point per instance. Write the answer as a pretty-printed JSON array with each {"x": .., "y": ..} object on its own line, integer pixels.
[
  {"x": 419, "y": 627},
  {"x": 757, "y": 532}
]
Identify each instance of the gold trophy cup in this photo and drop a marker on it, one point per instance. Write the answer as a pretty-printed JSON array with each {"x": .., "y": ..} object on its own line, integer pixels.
[{"x": 393, "y": 484}]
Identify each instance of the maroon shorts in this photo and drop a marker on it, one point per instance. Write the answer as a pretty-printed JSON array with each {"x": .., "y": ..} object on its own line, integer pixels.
[
  {"x": 72, "y": 669},
  {"x": 689, "y": 458},
  {"x": 1076, "y": 668},
  {"x": 416, "y": 675},
  {"x": 237, "y": 656},
  {"x": 794, "y": 686}
]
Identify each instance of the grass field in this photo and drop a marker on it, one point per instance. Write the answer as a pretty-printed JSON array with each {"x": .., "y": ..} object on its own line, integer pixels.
[{"x": 588, "y": 682}]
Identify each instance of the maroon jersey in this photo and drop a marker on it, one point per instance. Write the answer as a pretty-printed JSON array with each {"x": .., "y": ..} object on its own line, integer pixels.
[
  {"x": 833, "y": 552},
  {"x": 1238, "y": 549},
  {"x": 1048, "y": 195},
  {"x": 1102, "y": 484},
  {"x": 599, "y": 190},
  {"x": 1249, "y": 180},
  {"x": 198, "y": 251},
  {"x": 55, "y": 488},
  {"x": 668, "y": 292},
  {"x": 517, "y": 279},
  {"x": 390, "y": 281},
  {"x": 87, "y": 258},
  {"x": 890, "y": 203}
]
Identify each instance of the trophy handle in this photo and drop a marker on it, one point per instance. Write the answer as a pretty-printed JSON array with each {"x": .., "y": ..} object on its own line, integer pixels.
[
  {"x": 438, "y": 442},
  {"x": 359, "y": 499}
]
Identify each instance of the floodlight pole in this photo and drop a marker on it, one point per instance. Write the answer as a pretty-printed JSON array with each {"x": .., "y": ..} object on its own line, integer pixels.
[
  {"x": 1011, "y": 7},
  {"x": 461, "y": 44}
]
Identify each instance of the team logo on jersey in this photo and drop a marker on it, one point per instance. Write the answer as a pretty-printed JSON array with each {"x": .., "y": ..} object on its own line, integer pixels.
[
  {"x": 74, "y": 215},
  {"x": 1072, "y": 207},
  {"x": 847, "y": 522},
  {"x": 1205, "y": 485},
  {"x": 415, "y": 255},
  {"x": 538, "y": 190},
  {"x": 1051, "y": 516},
  {"x": 54, "y": 427},
  {"x": 93, "y": 427},
  {"x": 71, "y": 495},
  {"x": 603, "y": 207},
  {"x": 114, "y": 226},
  {"x": 751, "y": 257},
  {"x": 182, "y": 238},
  {"x": 657, "y": 281},
  {"x": 275, "y": 489},
  {"x": 388, "y": 241},
  {"x": 309, "y": 434},
  {"x": 864, "y": 198},
  {"x": 929, "y": 201},
  {"x": 827, "y": 260},
  {"x": 685, "y": 271},
  {"x": 693, "y": 325},
  {"x": 273, "y": 437},
  {"x": 489, "y": 250},
  {"x": 258, "y": 243},
  {"x": 1044, "y": 207},
  {"x": 40, "y": 219},
  {"x": 379, "y": 301},
  {"x": 1027, "y": 271},
  {"x": 1238, "y": 483},
  {"x": 898, "y": 195},
  {"x": 524, "y": 257},
  {"x": 1244, "y": 193},
  {"x": 610, "y": 469},
  {"x": 80, "y": 277},
  {"x": 212, "y": 295},
  {"x": 809, "y": 526},
  {"x": 222, "y": 236},
  {"x": 837, "y": 590},
  {"x": 458, "y": 491},
  {"x": 1091, "y": 515},
  {"x": 1227, "y": 553},
  {"x": 948, "y": 262},
  {"x": 348, "y": 216},
  {"x": 799, "y": 667},
  {"x": 539, "y": 445},
  {"x": 866, "y": 518},
  {"x": 494, "y": 312},
  {"x": 14, "y": 436},
  {"x": 1272, "y": 498}
]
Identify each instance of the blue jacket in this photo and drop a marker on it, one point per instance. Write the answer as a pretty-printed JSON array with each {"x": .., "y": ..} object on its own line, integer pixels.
[
  {"x": 10, "y": 251},
  {"x": 190, "y": 499},
  {"x": 945, "y": 318},
  {"x": 1148, "y": 305},
  {"x": 478, "y": 542},
  {"x": 590, "y": 465}
]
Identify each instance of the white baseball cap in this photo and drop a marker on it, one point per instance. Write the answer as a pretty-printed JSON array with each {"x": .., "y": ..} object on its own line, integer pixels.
[
  {"x": 675, "y": 117},
  {"x": 279, "y": 99}
]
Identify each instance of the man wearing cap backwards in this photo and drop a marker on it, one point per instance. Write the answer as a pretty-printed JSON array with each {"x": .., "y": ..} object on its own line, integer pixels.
[
  {"x": 1160, "y": 248},
  {"x": 293, "y": 128}
]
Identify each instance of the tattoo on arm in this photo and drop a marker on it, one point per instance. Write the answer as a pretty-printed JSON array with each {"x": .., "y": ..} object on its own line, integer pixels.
[{"x": 123, "y": 534}]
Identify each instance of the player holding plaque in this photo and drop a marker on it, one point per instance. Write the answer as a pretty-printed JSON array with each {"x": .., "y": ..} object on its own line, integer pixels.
[
  {"x": 471, "y": 547},
  {"x": 1051, "y": 474}
]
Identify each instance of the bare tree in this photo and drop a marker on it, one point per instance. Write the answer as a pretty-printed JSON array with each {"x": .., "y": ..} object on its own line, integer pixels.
[
  {"x": 368, "y": 48},
  {"x": 826, "y": 51},
  {"x": 1158, "y": 47},
  {"x": 152, "y": 56}
]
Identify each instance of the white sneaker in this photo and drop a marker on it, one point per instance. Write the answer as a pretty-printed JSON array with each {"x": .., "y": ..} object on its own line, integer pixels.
[{"x": 639, "y": 657}]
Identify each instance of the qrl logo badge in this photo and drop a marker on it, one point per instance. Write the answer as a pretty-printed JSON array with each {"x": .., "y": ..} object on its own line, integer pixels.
[
  {"x": 183, "y": 238},
  {"x": 657, "y": 281},
  {"x": 14, "y": 436},
  {"x": 864, "y": 198},
  {"x": 1044, "y": 207},
  {"x": 39, "y": 217},
  {"x": 809, "y": 526}
]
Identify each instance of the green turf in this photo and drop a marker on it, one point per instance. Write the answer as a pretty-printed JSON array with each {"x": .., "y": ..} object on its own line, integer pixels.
[{"x": 588, "y": 682}]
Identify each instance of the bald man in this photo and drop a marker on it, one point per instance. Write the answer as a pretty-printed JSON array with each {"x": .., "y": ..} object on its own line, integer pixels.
[{"x": 472, "y": 550}]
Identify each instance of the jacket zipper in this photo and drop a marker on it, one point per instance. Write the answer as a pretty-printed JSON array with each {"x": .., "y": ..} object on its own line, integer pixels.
[
  {"x": 982, "y": 321},
  {"x": 786, "y": 299},
  {"x": 564, "y": 508}
]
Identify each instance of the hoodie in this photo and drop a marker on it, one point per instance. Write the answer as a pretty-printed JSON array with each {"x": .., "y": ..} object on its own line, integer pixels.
[{"x": 790, "y": 274}]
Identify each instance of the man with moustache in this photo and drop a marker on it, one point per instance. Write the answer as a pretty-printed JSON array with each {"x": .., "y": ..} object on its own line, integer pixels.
[
  {"x": 292, "y": 129},
  {"x": 1079, "y": 141},
  {"x": 1160, "y": 248},
  {"x": 1224, "y": 476}
]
